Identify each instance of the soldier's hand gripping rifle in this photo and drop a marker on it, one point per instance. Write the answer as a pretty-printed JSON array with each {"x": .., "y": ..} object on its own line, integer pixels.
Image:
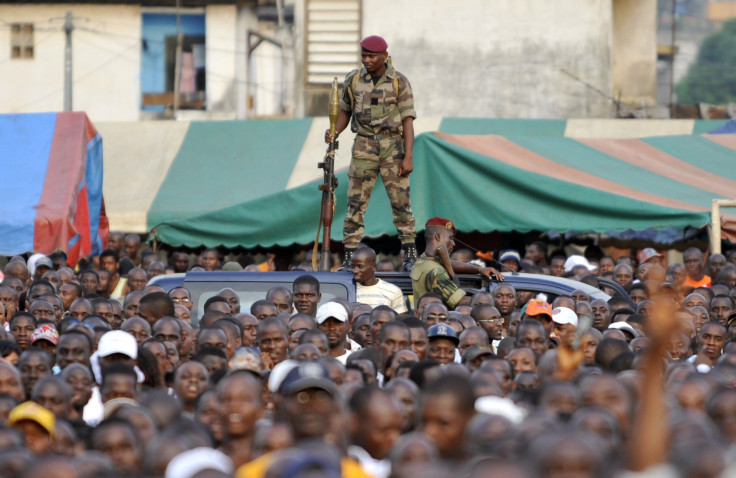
[{"x": 328, "y": 187}]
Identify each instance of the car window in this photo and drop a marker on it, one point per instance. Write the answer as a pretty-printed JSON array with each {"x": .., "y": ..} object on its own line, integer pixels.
[{"x": 250, "y": 292}]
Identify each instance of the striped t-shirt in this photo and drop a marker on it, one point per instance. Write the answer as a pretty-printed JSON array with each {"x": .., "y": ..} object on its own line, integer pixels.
[{"x": 383, "y": 293}]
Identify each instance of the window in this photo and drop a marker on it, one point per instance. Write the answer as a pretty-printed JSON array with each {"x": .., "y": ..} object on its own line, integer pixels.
[
  {"x": 332, "y": 39},
  {"x": 158, "y": 61},
  {"x": 249, "y": 292},
  {"x": 21, "y": 40}
]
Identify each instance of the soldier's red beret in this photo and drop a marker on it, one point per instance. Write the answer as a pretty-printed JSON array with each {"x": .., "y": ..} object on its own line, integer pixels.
[
  {"x": 374, "y": 44},
  {"x": 442, "y": 222}
]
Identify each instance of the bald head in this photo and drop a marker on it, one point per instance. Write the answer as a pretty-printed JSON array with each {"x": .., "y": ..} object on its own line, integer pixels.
[
  {"x": 155, "y": 305},
  {"x": 10, "y": 381},
  {"x": 366, "y": 253},
  {"x": 17, "y": 269}
]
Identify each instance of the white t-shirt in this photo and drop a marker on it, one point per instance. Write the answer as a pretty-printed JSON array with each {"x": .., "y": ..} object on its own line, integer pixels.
[
  {"x": 94, "y": 411},
  {"x": 343, "y": 359},
  {"x": 383, "y": 293},
  {"x": 372, "y": 466}
]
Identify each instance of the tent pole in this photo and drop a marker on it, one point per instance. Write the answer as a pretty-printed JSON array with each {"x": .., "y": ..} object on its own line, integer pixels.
[
  {"x": 155, "y": 241},
  {"x": 715, "y": 227}
]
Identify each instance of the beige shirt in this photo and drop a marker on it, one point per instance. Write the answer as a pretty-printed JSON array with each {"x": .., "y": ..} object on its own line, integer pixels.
[{"x": 383, "y": 293}]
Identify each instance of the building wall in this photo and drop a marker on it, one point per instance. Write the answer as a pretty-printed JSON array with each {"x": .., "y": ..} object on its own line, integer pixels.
[
  {"x": 106, "y": 61},
  {"x": 221, "y": 22},
  {"x": 500, "y": 58},
  {"x": 721, "y": 11},
  {"x": 476, "y": 58},
  {"x": 635, "y": 51}
]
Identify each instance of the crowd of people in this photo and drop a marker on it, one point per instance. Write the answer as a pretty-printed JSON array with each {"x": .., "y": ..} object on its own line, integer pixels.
[{"x": 105, "y": 375}]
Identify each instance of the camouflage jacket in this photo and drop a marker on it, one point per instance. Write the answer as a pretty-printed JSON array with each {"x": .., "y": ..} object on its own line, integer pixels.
[
  {"x": 428, "y": 275},
  {"x": 377, "y": 109}
]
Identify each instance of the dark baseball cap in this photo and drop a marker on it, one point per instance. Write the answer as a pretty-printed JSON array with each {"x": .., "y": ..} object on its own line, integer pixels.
[
  {"x": 443, "y": 331},
  {"x": 305, "y": 376},
  {"x": 476, "y": 351}
]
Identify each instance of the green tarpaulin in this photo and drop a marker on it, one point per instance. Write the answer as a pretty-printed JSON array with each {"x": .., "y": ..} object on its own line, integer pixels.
[
  {"x": 484, "y": 183},
  {"x": 226, "y": 163}
]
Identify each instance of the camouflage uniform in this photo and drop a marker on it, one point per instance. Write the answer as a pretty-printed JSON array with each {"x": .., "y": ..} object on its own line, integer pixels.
[
  {"x": 376, "y": 116},
  {"x": 428, "y": 275}
]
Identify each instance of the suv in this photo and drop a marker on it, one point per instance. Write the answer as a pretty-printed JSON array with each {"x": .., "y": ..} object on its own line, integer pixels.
[{"x": 252, "y": 286}]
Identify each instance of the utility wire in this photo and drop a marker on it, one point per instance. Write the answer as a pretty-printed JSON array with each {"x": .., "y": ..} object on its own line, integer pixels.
[
  {"x": 100, "y": 47},
  {"x": 600, "y": 92},
  {"x": 79, "y": 78},
  {"x": 207, "y": 48}
]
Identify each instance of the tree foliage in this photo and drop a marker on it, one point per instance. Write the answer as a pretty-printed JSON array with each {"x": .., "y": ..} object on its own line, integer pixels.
[{"x": 712, "y": 78}]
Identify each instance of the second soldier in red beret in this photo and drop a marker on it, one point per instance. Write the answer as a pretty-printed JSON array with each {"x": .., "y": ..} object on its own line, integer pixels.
[{"x": 430, "y": 273}]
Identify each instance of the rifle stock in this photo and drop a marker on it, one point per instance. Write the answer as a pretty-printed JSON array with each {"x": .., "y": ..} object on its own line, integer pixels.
[{"x": 446, "y": 262}]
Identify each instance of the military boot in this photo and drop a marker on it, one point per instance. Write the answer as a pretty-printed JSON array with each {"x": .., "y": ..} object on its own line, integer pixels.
[
  {"x": 347, "y": 263},
  {"x": 410, "y": 257}
]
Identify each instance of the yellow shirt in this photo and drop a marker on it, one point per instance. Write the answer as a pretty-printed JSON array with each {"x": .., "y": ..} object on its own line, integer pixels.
[{"x": 258, "y": 467}]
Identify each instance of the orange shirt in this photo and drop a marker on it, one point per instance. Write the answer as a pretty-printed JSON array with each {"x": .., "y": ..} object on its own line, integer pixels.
[{"x": 704, "y": 282}]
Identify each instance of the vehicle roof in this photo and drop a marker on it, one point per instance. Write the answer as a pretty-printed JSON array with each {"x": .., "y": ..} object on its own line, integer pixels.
[
  {"x": 520, "y": 280},
  {"x": 552, "y": 284}
]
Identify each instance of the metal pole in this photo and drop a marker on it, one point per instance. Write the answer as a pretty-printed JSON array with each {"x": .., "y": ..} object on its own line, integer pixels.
[
  {"x": 248, "y": 52},
  {"x": 715, "y": 227},
  {"x": 715, "y": 222},
  {"x": 282, "y": 38},
  {"x": 177, "y": 60},
  {"x": 672, "y": 59},
  {"x": 68, "y": 27}
]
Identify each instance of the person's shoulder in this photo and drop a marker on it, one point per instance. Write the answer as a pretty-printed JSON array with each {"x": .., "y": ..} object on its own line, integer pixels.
[
  {"x": 422, "y": 265},
  {"x": 402, "y": 77},
  {"x": 402, "y": 80},
  {"x": 387, "y": 285},
  {"x": 349, "y": 77},
  {"x": 256, "y": 468},
  {"x": 437, "y": 270},
  {"x": 352, "y": 469}
]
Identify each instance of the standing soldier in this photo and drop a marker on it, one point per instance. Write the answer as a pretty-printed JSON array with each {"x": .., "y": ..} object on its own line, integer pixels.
[{"x": 378, "y": 102}]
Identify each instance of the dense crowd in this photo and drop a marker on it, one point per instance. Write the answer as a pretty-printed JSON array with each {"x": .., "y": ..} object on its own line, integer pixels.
[{"x": 104, "y": 375}]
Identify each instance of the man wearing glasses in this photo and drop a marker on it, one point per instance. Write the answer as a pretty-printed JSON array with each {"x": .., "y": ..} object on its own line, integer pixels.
[
  {"x": 490, "y": 319},
  {"x": 434, "y": 313},
  {"x": 181, "y": 296}
]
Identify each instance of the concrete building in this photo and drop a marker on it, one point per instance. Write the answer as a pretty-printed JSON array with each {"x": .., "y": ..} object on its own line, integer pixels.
[
  {"x": 475, "y": 58},
  {"x": 123, "y": 58}
]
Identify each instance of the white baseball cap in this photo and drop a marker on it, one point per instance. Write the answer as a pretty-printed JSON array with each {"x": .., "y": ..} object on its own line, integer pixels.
[
  {"x": 623, "y": 327},
  {"x": 191, "y": 462},
  {"x": 564, "y": 315},
  {"x": 504, "y": 407},
  {"x": 331, "y": 309},
  {"x": 574, "y": 261},
  {"x": 117, "y": 342}
]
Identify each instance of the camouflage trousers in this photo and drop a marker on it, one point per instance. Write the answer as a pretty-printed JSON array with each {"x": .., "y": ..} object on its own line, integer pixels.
[{"x": 371, "y": 157}]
